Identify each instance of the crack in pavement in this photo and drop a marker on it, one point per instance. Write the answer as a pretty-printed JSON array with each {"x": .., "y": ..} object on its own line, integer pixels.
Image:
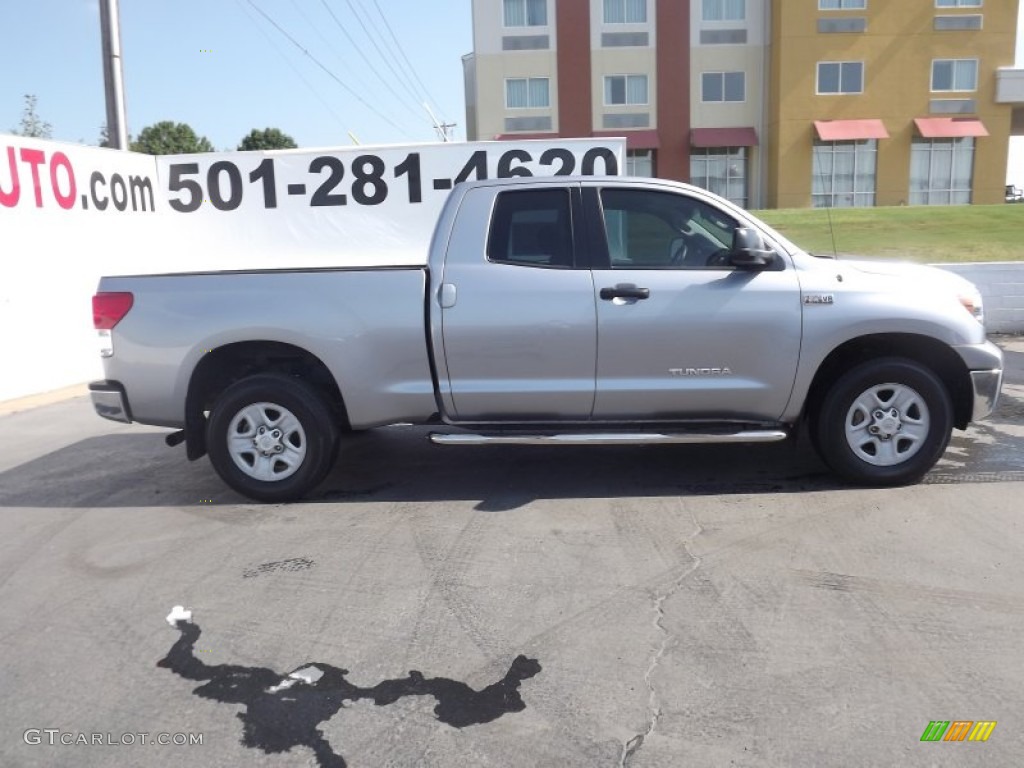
[{"x": 631, "y": 747}]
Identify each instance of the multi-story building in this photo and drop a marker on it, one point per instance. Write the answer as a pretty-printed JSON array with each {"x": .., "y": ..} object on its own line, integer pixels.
[
  {"x": 779, "y": 103},
  {"x": 888, "y": 103}
]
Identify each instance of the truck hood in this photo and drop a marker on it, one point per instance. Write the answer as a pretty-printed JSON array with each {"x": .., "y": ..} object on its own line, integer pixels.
[
  {"x": 918, "y": 278},
  {"x": 919, "y": 275}
]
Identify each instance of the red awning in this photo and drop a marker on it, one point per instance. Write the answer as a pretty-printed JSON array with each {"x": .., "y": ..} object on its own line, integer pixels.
[
  {"x": 949, "y": 127},
  {"x": 646, "y": 139},
  {"x": 723, "y": 137},
  {"x": 850, "y": 130}
]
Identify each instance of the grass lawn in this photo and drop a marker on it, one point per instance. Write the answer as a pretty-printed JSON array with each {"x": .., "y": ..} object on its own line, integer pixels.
[{"x": 917, "y": 233}]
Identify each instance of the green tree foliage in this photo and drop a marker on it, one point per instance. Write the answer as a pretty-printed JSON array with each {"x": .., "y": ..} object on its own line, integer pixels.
[
  {"x": 104, "y": 139},
  {"x": 31, "y": 124},
  {"x": 268, "y": 138},
  {"x": 170, "y": 138}
]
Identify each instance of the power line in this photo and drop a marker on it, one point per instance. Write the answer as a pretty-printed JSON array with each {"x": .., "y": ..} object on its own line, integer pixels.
[
  {"x": 401, "y": 50},
  {"x": 333, "y": 76},
  {"x": 294, "y": 69},
  {"x": 401, "y": 77},
  {"x": 330, "y": 45},
  {"x": 316, "y": 28},
  {"x": 443, "y": 128},
  {"x": 368, "y": 60}
]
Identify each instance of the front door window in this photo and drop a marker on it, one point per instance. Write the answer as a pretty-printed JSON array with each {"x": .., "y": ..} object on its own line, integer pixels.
[{"x": 660, "y": 230}]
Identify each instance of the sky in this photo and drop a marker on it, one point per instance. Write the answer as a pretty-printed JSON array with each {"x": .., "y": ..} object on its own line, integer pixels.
[{"x": 223, "y": 68}]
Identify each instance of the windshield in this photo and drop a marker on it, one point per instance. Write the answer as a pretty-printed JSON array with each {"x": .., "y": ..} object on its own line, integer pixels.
[{"x": 785, "y": 243}]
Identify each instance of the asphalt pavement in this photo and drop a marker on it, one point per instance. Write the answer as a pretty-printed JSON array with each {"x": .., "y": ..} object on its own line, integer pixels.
[{"x": 507, "y": 606}]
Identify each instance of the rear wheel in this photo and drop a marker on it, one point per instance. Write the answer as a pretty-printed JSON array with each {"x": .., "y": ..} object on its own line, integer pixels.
[
  {"x": 271, "y": 437},
  {"x": 885, "y": 422}
]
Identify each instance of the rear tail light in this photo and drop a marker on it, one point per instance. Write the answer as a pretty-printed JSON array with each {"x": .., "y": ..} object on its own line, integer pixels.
[{"x": 108, "y": 309}]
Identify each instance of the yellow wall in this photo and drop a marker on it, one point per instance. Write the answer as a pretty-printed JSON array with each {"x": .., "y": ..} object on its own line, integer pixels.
[{"x": 897, "y": 50}]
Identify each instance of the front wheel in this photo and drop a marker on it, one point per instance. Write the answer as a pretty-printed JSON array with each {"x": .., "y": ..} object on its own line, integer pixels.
[
  {"x": 885, "y": 422},
  {"x": 271, "y": 437}
]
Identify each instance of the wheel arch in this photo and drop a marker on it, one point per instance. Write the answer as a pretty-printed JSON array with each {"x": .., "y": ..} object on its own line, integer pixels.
[
  {"x": 223, "y": 366},
  {"x": 938, "y": 357}
]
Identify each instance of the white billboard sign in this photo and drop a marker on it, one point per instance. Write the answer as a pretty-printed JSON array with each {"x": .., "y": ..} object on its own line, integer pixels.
[
  {"x": 356, "y": 206},
  {"x": 70, "y": 214}
]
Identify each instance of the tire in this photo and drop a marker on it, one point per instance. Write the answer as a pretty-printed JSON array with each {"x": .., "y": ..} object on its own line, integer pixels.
[
  {"x": 271, "y": 437},
  {"x": 885, "y": 422}
]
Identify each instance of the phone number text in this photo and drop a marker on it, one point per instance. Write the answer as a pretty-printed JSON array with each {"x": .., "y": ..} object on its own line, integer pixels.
[{"x": 365, "y": 180}]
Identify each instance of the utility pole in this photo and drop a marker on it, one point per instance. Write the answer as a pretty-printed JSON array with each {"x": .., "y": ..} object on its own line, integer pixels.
[
  {"x": 444, "y": 130},
  {"x": 113, "y": 74}
]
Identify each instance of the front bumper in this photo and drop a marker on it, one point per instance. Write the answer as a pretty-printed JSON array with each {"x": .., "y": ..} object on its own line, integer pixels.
[
  {"x": 986, "y": 385},
  {"x": 110, "y": 401},
  {"x": 985, "y": 363}
]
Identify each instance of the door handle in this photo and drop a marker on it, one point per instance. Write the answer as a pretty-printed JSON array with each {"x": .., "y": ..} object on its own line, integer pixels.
[
  {"x": 447, "y": 295},
  {"x": 625, "y": 292}
]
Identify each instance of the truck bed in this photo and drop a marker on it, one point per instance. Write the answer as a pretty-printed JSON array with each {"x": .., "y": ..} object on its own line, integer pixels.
[{"x": 365, "y": 325}]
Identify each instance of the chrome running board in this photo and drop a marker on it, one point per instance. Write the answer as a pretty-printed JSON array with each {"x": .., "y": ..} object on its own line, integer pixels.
[{"x": 612, "y": 438}]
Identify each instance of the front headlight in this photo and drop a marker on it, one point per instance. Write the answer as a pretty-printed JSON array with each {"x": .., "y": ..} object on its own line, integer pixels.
[{"x": 972, "y": 302}]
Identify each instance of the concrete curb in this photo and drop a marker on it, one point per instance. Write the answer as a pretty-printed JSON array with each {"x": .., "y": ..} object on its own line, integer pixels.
[{"x": 8, "y": 407}]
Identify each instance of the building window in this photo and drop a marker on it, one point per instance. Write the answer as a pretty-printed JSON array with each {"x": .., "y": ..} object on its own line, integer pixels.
[
  {"x": 840, "y": 77},
  {"x": 527, "y": 93},
  {"x": 724, "y": 10},
  {"x": 954, "y": 75},
  {"x": 723, "y": 86},
  {"x": 722, "y": 170},
  {"x": 526, "y": 13},
  {"x": 620, "y": 90},
  {"x": 941, "y": 171},
  {"x": 842, "y": 5},
  {"x": 958, "y": 3},
  {"x": 844, "y": 174},
  {"x": 625, "y": 11},
  {"x": 640, "y": 162}
]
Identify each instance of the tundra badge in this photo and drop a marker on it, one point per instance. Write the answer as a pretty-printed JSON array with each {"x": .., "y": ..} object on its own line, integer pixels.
[{"x": 700, "y": 371}]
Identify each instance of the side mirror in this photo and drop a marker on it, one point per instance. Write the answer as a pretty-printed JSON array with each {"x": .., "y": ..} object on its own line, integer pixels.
[{"x": 749, "y": 250}]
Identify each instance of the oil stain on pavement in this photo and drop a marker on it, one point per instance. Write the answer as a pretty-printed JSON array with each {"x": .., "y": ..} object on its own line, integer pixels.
[{"x": 284, "y": 711}]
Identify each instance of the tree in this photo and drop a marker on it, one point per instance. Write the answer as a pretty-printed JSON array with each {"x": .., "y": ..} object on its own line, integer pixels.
[
  {"x": 104, "y": 138},
  {"x": 268, "y": 138},
  {"x": 170, "y": 138},
  {"x": 31, "y": 124}
]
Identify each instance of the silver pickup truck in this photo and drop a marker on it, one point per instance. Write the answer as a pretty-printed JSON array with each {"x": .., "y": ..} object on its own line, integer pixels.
[{"x": 555, "y": 311}]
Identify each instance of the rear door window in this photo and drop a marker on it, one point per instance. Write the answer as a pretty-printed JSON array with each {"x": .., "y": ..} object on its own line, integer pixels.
[{"x": 532, "y": 228}]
